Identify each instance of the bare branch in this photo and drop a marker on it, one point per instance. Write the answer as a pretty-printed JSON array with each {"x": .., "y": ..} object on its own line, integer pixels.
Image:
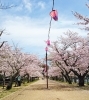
[
  {"x": 77, "y": 15},
  {"x": 81, "y": 17},
  {"x": 3, "y": 6},
  {"x": 2, "y": 43},
  {"x": 1, "y": 32}
]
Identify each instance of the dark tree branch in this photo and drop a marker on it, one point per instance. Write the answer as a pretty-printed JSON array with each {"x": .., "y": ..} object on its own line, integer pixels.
[
  {"x": 3, "y": 6},
  {"x": 2, "y": 43},
  {"x": 75, "y": 72}
]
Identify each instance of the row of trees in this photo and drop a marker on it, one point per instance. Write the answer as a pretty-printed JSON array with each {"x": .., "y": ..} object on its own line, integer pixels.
[
  {"x": 71, "y": 53},
  {"x": 13, "y": 63}
]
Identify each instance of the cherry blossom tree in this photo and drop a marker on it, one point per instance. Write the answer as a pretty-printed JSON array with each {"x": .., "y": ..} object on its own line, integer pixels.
[
  {"x": 14, "y": 63},
  {"x": 54, "y": 72},
  {"x": 84, "y": 20},
  {"x": 71, "y": 54},
  {"x": 3, "y": 64},
  {"x": 32, "y": 68}
]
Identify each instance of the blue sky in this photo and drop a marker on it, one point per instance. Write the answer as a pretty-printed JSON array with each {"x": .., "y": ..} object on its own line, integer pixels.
[{"x": 27, "y": 24}]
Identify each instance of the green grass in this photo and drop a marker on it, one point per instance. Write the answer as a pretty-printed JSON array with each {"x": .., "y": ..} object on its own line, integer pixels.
[{"x": 4, "y": 92}]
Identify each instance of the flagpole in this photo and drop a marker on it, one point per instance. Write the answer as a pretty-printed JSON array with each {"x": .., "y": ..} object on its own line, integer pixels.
[
  {"x": 53, "y": 14},
  {"x": 46, "y": 49}
]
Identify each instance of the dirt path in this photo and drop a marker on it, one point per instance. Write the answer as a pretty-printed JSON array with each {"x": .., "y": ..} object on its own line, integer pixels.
[{"x": 38, "y": 91}]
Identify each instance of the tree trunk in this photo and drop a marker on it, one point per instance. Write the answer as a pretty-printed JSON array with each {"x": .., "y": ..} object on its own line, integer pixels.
[
  {"x": 4, "y": 80},
  {"x": 81, "y": 80},
  {"x": 27, "y": 78},
  {"x": 67, "y": 78},
  {"x": 9, "y": 85},
  {"x": 80, "y": 77}
]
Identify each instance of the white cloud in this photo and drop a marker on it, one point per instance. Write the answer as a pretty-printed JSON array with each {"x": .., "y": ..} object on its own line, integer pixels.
[
  {"x": 24, "y": 31},
  {"x": 41, "y": 4},
  {"x": 19, "y": 8},
  {"x": 32, "y": 33},
  {"x": 28, "y": 4}
]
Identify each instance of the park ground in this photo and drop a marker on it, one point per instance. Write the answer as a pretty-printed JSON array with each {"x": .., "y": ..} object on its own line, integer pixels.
[{"x": 56, "y": 91}]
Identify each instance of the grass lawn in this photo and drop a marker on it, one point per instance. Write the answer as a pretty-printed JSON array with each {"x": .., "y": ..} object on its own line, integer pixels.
[{"x": 4, "y": 92}]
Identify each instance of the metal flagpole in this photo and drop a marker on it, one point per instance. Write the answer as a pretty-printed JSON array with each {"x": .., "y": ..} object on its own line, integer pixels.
[
  {"x": 48, "y": 43},
  {"x": 46, "y": 69}
]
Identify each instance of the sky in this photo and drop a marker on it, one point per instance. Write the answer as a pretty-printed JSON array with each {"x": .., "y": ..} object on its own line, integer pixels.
[{"x": 27, "y": 23}]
